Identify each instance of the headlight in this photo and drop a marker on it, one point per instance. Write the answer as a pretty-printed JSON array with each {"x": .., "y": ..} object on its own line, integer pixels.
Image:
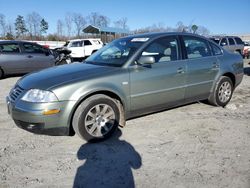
[{"x": 37, "y": 95}]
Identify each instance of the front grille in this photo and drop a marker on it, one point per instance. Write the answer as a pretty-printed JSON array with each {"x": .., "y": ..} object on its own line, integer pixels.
[{"x": 15, "y": 93}]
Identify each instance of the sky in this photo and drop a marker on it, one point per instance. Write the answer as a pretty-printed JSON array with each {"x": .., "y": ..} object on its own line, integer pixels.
[{"x": 219, "y": 16}]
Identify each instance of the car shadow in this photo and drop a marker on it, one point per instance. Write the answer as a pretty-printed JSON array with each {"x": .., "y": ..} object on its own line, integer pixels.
[
  {"x": 247, "y": 71},
  {"x": 107, "y": 164}
]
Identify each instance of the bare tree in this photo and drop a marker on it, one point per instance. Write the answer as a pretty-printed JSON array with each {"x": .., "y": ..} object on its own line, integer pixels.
[
  {"x": 103, "y": 21},
  {"x": 99, "y": 20},
  {"x": 2, "y": 25},
  {"x": 121, "y": 23},
  {"x": 68, "y": 23},
  {"x": 93, "y": 18},
  {"x": 79, "y": 22},
  {"x": 33, "y": 21},
  {"x": 60, "y": 28},
  {"x": 202, "y": 30},
  {"x": 180, "y": 27}
]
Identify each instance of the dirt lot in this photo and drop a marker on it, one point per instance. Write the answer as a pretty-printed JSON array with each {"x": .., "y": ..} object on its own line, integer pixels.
[{"x": 191, "y": 146}]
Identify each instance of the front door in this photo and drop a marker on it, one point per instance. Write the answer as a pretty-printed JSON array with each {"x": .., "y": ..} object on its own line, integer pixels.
[{"x": 162, "y": 83}]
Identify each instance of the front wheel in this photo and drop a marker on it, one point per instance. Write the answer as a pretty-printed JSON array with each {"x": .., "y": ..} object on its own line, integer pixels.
[
  {"x": 222, "y": 93},
  {"x": 96, "y": 118}
]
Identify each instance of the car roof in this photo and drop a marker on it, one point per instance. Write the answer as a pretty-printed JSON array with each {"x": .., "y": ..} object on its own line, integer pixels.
[
  {"x": 73, "y": 40},
  {"x": 223, "y": 36},
  {"x": 159, "y": 34},
  {"x": 15, "y": 41}
]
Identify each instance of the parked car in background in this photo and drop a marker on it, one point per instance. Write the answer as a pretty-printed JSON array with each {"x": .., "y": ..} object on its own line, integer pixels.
[
  {"x": 18, "y": 57},
  {"x": 82, "y": 48},
  {"x": 127, "y": 78},
  {"x": 231, "y": 43},
  {"x": 246, "y": 50}
]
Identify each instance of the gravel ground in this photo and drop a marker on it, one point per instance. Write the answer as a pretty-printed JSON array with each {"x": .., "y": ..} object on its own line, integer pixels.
[{"x": 196, "y": 145}]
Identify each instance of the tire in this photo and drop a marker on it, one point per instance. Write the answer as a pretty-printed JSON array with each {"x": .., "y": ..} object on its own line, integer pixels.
[
  {"x": 96, "y": 118},
  {"x": 222, "y": 93}
]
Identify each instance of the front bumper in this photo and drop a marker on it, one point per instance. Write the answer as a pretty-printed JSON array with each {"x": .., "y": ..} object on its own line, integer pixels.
[{"x": 29, "y": 116}]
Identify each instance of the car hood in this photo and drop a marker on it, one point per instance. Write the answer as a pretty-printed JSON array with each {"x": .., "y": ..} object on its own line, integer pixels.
[{"x": 60, "y": 75}]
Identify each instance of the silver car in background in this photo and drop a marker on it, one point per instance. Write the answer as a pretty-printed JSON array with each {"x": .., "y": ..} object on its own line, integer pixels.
[
  {"x": 19, "y": 57},
  {"x": 230, "y": 43}
]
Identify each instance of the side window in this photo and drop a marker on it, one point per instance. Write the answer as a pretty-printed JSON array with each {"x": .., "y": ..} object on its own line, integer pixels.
[
  {"x": 223, "y": 42},
  {"x": 33, "y": 48},
  {"x": 231, "y": 41},
  {"x": 216, "y": 49},
  {"x": 163, "y": 49},
  {"x": 76, "y": 44},
  {"x": 87, "y": 43},
  {"x": 9, "y": 48},
  {"x": 196, "y": 47},
  {"x": 238, "y": 40}
]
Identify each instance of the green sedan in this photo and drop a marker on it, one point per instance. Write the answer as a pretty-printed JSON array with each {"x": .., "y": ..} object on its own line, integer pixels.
[{"x": 129, "y": 77}]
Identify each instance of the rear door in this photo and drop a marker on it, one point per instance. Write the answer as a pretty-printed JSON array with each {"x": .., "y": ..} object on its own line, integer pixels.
[
  {"x": 37, "y": 56},
  {"x": 202, "y": 68},
  {"x": 162, "y": 83},
  {"x": 12, "y": 60}
]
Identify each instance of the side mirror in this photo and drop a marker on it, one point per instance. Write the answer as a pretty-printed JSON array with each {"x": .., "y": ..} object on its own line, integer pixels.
[{"x": 146, "y": 60}]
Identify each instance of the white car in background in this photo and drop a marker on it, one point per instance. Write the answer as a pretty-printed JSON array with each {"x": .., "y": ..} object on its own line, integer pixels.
[{"x": 82, "y": 48}]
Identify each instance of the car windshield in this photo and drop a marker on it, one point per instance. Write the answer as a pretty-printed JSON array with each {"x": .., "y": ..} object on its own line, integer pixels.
[{"x": 115, "y": 53}]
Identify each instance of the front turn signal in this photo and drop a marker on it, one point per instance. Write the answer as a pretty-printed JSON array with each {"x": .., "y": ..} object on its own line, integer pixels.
[{"x": 51, "y": 112}]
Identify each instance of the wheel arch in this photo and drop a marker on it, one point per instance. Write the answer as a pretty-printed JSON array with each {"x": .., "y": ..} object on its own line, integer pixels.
[
  {"x": 108, "y": 93},
  {"x": 231, "y": 76}
]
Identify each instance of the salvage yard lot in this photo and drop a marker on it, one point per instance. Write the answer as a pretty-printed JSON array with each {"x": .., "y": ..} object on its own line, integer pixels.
[{"x": 196, "y": 145}]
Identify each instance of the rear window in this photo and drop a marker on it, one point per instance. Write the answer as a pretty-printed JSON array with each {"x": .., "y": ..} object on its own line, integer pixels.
[
  {"x": 33, "y": 48},
  {"x": 9, "y": 48},
  {"x": 196, "y": 47},
  {"x": 238, "y": 40}
]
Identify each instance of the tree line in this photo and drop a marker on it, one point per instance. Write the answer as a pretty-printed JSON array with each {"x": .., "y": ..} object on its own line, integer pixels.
[{"x": 34, "y": 27}]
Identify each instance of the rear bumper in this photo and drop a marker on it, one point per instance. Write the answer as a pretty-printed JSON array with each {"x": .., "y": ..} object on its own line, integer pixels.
[{"x": 29, "y": 117}]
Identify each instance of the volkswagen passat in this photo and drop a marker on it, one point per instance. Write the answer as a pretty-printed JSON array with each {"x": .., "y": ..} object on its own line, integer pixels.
[{"x": 128, "y": 77}]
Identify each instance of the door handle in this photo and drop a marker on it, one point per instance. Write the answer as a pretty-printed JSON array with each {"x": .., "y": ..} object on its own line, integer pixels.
[
  {"x": 29, "y": 56},
  {"x": 180, "y": 70}
]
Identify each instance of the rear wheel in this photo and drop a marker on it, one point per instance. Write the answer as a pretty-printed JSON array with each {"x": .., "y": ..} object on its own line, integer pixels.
[
  {"x": 96, "y": 118},
  {"x": 222, "y": 93}
]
